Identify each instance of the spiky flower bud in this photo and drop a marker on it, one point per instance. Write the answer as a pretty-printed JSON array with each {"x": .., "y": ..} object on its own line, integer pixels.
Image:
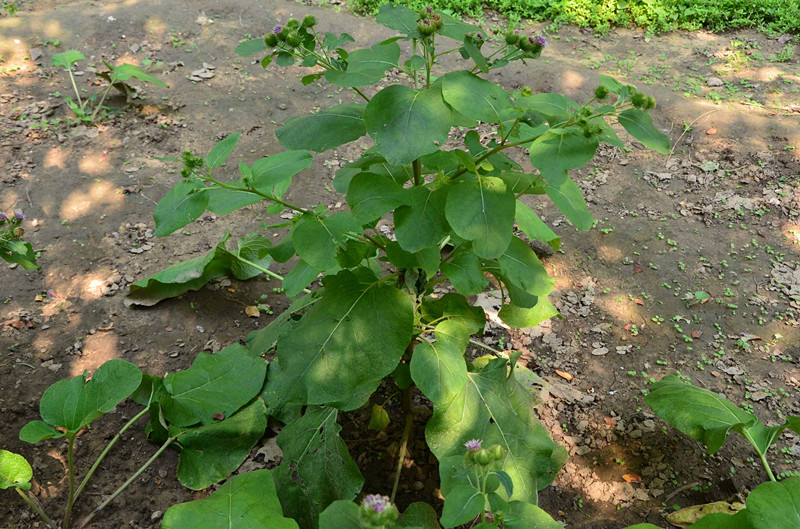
[
  {"x": 526, "y": 91},
  {"x": 18, "y": 214},
  {"x": 483, "y": 457},
  {"x": 497, "y": 452},
  {"x": 309, "y": 21},
  {"x": 541, "y": 40},
  {"x": 271, "y": 40},
  {"x": 601, "y": 92},
  {"x": 377, "y": 511},
  {"x": 651, "y": 103},
  {"x": 638, "y": 99},
  {"x": 511, "y": 38},
  {"x": 277, "y": 30},
  {"x": 3, "y": 217},
  {"x": 436, "y": 20},
  {"x": 426, "y": 27},
  {"x": 292, "y": 23},
  {"x": 294, "y": 39}
]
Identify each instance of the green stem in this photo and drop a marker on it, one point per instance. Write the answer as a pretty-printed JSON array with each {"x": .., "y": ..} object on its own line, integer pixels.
[
  {"x": 100, "y": 104},
  {"x": 106, "y": 450},
  {"x": 122, "y": 487},
  {"x": 75, "y": 87},
  {"x": 71, "y": 478},
  {"x": 401, "y": 456},
  {"x": 481, "y": 344},
  {"x": 417, "y": 165},
  {"x": 767, "y": 467},
  {"x": 30, "y": 500},
  {"x": 362, "y": 94},
  {"x": 255, "y": 191}
]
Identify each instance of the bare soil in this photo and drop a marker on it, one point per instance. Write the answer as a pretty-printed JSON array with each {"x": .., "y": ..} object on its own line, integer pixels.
[{"x": 719, "y": 215}]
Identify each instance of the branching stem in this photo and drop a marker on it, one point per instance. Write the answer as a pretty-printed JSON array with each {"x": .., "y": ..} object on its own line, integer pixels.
[
  {"x": 401, "y": 455},
  {"x": 30, "y": 500}
]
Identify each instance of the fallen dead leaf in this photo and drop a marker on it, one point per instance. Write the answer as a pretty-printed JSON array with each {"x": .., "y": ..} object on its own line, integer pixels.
[
  {"x": 564, "y": 375},
  {"x": 252, "y": 311},
  {"x": 638, "y": 301},
  {"x": 632, "y": 478},
  {"x": 711, "y": 132},
  {"x": 697, "y": 334},
  {"x": 637, "y": 268},
  {"x": 715, "y": 373},
  {"x": 610, "y": 421}
]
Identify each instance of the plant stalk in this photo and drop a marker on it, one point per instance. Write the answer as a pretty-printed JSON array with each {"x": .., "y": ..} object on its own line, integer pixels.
[
  {"x": 75, "y": 87},
  {"x": 401, "y": 456},
  {"x": 36, "y": 507},
  {"x": 100, "y": 104},
  {"x": 106, "y": 450},
  {"x": 766, "y": 466},
  {"x": 122, "y": 487},
  {"x": 71, "y": 478},
  {"x": 417, "y": 165},
  {"x": 255, "y": 191},
  {"x": 266, "y": 271}
]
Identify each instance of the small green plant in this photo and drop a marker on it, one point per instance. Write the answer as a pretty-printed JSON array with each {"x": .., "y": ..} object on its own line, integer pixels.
[
  {"x": 12, "y": 248},
  {"x": 785, "y": 55},
  {"x": 10, "y": 7},
  {"x": 707, "y": 417},
  {"x": 85, "y": 108}
]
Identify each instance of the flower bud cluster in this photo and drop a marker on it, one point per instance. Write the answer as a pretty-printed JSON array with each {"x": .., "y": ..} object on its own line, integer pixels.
[
  {"x": 290, "y": 33},
  {"x": 10, "y": 228},
  {"x": 429, "y": 21},
  {"x": 483, "y": 457},
  {"x": 191, "y": 164},
  {"x": 642, "y": 101},
  {"x": 376, "y": 512},
  {"x": 526, "y": 43}
]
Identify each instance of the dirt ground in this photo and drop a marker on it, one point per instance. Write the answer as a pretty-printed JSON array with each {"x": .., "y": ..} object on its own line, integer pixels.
[{"x": 720, "y": 215}]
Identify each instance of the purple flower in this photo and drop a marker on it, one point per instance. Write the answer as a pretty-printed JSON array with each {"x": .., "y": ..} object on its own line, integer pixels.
[
  {"x": 18, "y": 214},
  {"x": 541, "y": 40},
  {"x": 480, "y": 36},
  {"x": 429, "y": 9},
  {"x": 277, "y": 29},
  {"x": 473, "y": 445},
  {"x": 3, "y": 217},
  {"x": 376, "y": 502}
]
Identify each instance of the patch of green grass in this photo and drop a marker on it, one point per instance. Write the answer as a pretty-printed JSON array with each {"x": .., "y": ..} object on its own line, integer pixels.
[{"x": 772, "y": 16}]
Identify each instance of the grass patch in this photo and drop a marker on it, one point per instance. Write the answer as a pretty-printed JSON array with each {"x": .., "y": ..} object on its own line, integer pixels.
[{"x": 771, "y": 16}]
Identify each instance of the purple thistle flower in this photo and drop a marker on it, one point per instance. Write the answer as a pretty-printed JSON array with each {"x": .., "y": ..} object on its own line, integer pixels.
[
  {"x": 277, "y": 29},
  {"x": 18, "y": 214},
  {"x": 3, "y": 217},
  {"x": 426, "y": 22},
  {"x": 473, "y": 445},
  {"x": 376, "y": 502},
  {"x": 541, "y": 40},
  {"x": 429, "y": 9},
  {"x": 480, "y": 36}
]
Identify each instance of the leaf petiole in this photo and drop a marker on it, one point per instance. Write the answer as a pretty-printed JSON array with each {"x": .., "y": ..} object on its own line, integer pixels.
[{"x": 30, "y": 500}]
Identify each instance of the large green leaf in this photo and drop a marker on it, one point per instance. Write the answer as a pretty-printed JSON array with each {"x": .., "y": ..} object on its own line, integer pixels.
[
  {"x": 494, "y": 407},
  {"x": 520, "y": 266},
  {"x": 194, "y": 273},
  {"x": 36, "y": 431},
  {"x": 370, "y": 196},
  {"x": 772, "y": 505},
  {"x": 462, "y": 505},
  {"x": 253, "y": 248},
  {"x": 341, "y": 514},
  {"x": 246, "y": 501},
  {"x": 316, "y": 239},
  {"x": 76, "y": 402},
  {"x": 66, "y": 59},
  {"x": 324, "y": 130},
  {"x": 371, "y": 163},
  {"x": 19, "y": 252},
  {"x": 273, "y": 172},
  {"x": 639, "y": 124},
  {"x": 555, "y": 152},
  {"x": 522, "y": 515},
  {"x": 428, "y": 259},
  {"x": 349, "y": 340},
  {"x": 220, "y": 152},
  {"x": 182, "y": 204},
  {"x": 366, "y": 66},
  {"x": 422, "y": 224},
  {"x": 213, "y": 385},
  {"x": 15, "y": 471},
  {"x": 555, "y": 107},
  {"x": 223, "y": 201},
  {"x": 438, "y": 368},
  {"x": 249, "y": 47},
  {"x": 477, "y": 98},
  {"x": 521, "y": 317},
  {"x": 407, "y": 123},
  {"x": 699, "y": 413},
  {"x": 210, "y": 453},
  {"x": 568, "y": 198},
  {"x": 299, "y": 277},
  {"x": 399, "y": 18},
  {"x": 123, "y": 72},
  {"x": 532, "y": 226},
  {"x": 419, "y": 515},
  {"x": 316, "y": 469},
  {"x": 465, "y": 273},
  {"x": 482, "y": 211}
]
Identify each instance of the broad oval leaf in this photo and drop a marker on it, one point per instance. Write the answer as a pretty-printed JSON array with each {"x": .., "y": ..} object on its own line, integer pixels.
[
  {"x": 214, "y": 384},
  {"x": 66, "y": 59},
  {"x": 324, "y": 130},
  {"x": 74, "y": 403},
  {"x": 270, "y": 172},
  {"x": 399, "y": 18},
  {"x": 224, "y": 201},
  {"x": 520, "y": 265},
  {"x": 36, "y": 431},
  {"x": 774, "y": 504},
  {"x": 438, "y": 368},
  {"x": 243, "y": 502},
  {"x": 532, "y": 226},
  {"x": 317, "y": 468},
  {"x": 349, "y": 340},
  {"x": 701, "y": 414},
  {"x": 316, "y": 239},
  {"x": 370, "y": 196},
  {"x": 568, "y": 198},
  {"x": 639, "y": 124},
  {"x": 482, "y": 211},
  {"x": 465, "y": 273},
  {"x": 495, "y": 408},
  {"x": 366, "y": 66},
  {"x": 210, "y": 453},
  {"x": 249, "y": 47},
  {"x": 19, "y": 252},
  {"x": 477, "y": 98},
  {"x": 123, "y": 72},
  {"x": 555, "y": 107},
  {"x": 462, "y": 505},
  {"x": 15, "y": 471},
  {"x": 521, "y": 317},
  {"x": 341, "y": 514},
  {"x": 220, "y": 152},
  {"x": 554, "y": 153},
  {"x": 522, "y": 515},
  {"x": 407, "y": 123},
  {"x": 182, "y": 204},
  {"x": 422, "y": 224}
]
